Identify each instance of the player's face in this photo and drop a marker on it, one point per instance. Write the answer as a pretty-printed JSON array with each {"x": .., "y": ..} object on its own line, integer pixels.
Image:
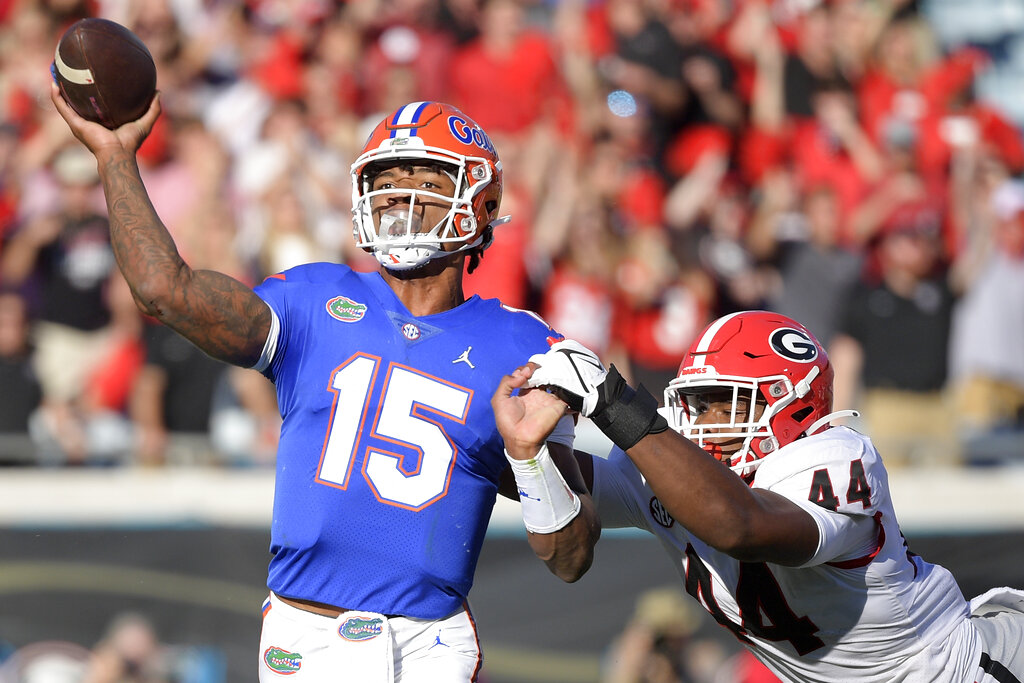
[
  {"x": 394, "y": 207},
  {"x": 717, "y": 407}
]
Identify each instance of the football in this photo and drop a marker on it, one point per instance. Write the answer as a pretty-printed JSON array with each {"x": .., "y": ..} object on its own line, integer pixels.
[{"x": 105, "y": 72}]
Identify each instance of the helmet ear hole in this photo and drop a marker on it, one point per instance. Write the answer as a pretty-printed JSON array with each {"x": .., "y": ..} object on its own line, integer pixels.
[{"x": 802, "y": 414}]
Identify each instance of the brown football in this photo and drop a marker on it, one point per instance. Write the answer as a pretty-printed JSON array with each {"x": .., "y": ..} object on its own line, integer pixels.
[{"x": 104, "y": 72}]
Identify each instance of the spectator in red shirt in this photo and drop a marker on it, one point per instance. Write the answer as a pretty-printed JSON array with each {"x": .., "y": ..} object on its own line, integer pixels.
[
  {"x": 907, "y": 85},
  {"x": 833, "y": 149},
  {"x": 578, "y": 241},
  {"x": 405, "y": 36},
  {"x": 662, "y": 308},
  {"x": 903, "y": 193},
  {"x": 508, "y": 76}
]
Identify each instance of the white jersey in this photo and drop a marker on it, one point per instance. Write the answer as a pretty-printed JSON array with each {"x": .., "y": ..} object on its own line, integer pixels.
[{"x": 863, "y": 608}]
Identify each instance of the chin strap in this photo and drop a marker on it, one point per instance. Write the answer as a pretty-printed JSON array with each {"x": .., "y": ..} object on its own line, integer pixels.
[
  {"x": 803, "y": 387},
  {"x": 821, "y": 422}
]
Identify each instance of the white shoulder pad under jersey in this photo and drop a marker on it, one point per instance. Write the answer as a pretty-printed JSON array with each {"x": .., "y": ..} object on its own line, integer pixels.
[{"x": 837, "y": 469}]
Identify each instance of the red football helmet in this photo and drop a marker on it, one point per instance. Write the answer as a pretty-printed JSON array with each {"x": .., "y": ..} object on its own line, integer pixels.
[
  {"x": 757, "y": 355},
  {"x": 435, "y": 133}
]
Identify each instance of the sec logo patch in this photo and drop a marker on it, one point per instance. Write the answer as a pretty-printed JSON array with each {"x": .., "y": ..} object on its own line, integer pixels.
[{"x": 660, "y": 514}]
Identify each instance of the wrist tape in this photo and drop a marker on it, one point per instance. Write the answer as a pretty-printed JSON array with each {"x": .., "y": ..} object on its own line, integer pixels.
[
  {"x": 548, "y": 502},
  {"x": 624, "y": 415}
]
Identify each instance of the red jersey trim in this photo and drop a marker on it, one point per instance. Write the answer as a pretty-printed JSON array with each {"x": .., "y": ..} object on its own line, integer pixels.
[{"x": 866, "y": 559}]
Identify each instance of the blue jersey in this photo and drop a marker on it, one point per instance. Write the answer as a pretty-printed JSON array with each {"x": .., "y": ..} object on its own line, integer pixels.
[{"x": 389, "y": 458}]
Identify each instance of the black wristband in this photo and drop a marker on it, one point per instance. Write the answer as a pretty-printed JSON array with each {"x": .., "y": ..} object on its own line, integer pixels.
[{"x": 624, "y": 415}]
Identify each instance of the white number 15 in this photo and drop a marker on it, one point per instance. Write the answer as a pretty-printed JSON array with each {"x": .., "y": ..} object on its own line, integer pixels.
[{"x": 412, "y": 411}]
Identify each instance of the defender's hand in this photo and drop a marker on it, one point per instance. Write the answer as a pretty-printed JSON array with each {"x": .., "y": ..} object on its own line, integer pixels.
[{"x": 573, "y": 372}]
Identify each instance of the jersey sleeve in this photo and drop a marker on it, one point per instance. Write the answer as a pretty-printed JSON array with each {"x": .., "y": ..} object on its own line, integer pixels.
[
  {"x": 270, "y": 345},
  {"x": 840, "y": 537},
  {"x": 838, "y": 479},
  {"x": 274, "y": 291},
  {"x": 619, "y": 491},
  {"x": 297, "y": 319}
]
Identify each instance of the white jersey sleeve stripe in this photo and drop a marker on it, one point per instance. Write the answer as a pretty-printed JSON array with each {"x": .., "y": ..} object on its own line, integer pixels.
[{"x": 270, "y": 345}]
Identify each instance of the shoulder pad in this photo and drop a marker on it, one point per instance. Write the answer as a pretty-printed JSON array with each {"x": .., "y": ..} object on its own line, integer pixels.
[{"x": 837, "y": 469}]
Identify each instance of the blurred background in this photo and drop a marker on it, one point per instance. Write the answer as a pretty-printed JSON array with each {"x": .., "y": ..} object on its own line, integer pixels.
[{"x": 854, "y": 164}]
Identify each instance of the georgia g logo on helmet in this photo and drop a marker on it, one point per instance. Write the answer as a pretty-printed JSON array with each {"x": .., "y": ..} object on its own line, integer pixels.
[{"x": 792, "y": 344}]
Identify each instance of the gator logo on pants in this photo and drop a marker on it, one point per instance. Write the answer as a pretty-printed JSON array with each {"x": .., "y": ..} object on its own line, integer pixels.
[
  {"x": 281, "y": 661},
  {"x": 359, "y": 628}
]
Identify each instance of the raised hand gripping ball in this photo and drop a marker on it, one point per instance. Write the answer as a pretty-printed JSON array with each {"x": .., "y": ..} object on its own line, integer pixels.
[{"x": 104, "y": 72}]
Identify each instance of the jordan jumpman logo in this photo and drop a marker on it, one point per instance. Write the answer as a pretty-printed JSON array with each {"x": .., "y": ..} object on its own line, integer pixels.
[{"x": 464, "y": 358}]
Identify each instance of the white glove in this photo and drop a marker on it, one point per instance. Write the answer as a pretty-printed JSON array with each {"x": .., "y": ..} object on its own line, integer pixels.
[{"x": 573, "y": 371}]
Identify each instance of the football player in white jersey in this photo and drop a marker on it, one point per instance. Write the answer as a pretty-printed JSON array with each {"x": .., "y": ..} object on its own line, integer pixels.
[{"x": 787, "y": 534}]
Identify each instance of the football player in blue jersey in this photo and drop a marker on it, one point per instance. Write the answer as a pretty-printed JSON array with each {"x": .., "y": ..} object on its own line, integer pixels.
[{"x": 389, "y": 458}]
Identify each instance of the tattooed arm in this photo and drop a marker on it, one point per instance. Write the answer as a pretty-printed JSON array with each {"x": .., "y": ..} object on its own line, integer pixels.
[{"x": 218, "y": 314}]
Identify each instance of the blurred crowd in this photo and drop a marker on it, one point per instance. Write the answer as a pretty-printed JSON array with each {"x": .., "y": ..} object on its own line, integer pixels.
[
  {"x": 666, "y": 162},
  {"x": 128, "y": 651},
  {"x": 666, "y": 640}
]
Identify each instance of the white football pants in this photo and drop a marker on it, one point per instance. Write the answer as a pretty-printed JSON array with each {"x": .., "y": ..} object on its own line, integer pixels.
[{"x": 304, "y": 647}]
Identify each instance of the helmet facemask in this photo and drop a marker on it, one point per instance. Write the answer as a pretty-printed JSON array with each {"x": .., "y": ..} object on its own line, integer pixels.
[
  {"x": 397, "y": 236},
  {"x": 774, "y": 394}
]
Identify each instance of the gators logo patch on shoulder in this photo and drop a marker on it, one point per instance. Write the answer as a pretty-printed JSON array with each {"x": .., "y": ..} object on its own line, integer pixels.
[
  {"x": 281, "y": 661},
  {"x": 361, "y": 628},
  {"x": 344, "y": 309}
]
